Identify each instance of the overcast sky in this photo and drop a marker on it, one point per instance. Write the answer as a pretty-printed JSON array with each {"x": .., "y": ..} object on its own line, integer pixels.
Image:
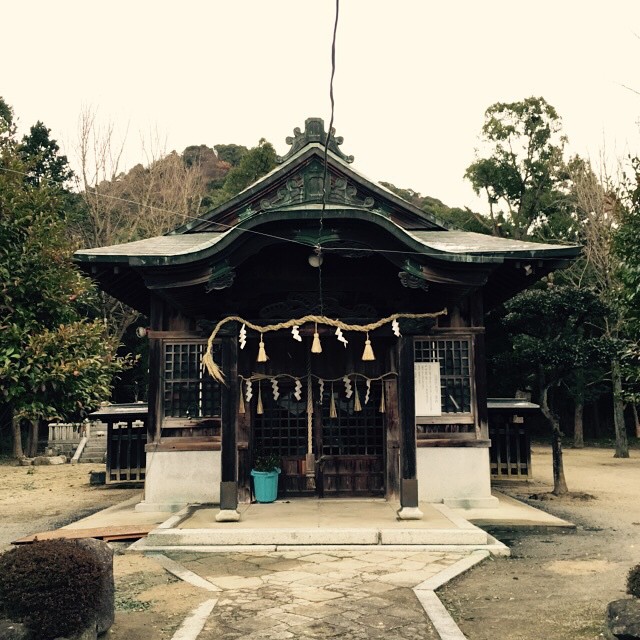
[{"x": 412, "y": 82}]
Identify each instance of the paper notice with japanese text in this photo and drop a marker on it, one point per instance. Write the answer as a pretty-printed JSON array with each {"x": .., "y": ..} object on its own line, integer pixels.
[{"x": 427, "y": 388}]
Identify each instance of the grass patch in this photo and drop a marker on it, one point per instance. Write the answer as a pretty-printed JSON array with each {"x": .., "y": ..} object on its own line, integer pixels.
[{"x": 126, "y": 603}]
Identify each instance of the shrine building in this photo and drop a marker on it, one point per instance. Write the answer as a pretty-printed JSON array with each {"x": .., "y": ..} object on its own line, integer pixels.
[{"x": 282, "y": 291}]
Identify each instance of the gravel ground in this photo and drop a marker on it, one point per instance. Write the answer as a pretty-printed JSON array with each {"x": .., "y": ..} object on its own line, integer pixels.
[{"x": 556, "y": 584}]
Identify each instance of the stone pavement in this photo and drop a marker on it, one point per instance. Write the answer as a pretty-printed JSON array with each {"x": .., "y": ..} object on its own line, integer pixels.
[{"x": 317, "y": 593}]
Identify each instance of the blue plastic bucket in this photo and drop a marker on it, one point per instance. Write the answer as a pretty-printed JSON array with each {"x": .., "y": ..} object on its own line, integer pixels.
[{"x": 265, "y": 485}]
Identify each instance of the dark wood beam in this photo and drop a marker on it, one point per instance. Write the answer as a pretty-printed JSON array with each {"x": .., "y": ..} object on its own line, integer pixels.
[
  {"x": 407, "y": 411},
  {"x": 229, "y": 452},
  {"x": 156, "y": 320}
]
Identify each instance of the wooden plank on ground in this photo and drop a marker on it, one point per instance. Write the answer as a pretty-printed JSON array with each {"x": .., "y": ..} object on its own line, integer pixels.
[{"x": 121, "y": 532}]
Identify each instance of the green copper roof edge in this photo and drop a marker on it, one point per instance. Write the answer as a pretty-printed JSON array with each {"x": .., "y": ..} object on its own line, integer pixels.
[{"x": 413, "y": 243}]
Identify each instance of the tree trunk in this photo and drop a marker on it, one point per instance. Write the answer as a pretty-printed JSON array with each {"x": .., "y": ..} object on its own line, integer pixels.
[
  {"x": 634, "y": 410},
  {"x": 559, "y": 482},
  {"x": 578, "y": 425},
  {"x": 596, "y": 420},
  {"x": 32, "y": 439},
  {"x": 622, "y": 443},
  {"x": 17, "y": 438}
]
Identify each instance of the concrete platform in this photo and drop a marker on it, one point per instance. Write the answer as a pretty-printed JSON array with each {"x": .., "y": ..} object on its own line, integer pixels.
[
  {"x": 310, "y": 521},
  {"x": 512, "y": 514},
  {"x": 329, "y": 522}
]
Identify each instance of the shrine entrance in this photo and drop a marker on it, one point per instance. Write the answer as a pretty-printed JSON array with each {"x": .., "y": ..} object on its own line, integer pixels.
[{"x": 347, "y": 428}]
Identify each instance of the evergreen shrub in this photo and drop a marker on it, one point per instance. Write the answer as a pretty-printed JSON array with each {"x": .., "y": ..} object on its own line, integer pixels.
[
  {"x": 52, "y": 586},
  {"x": 633, "y": 581}
]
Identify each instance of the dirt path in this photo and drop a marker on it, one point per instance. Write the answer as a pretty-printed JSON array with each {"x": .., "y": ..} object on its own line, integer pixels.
[
  {"x": 34, "y": 499},
  {"x": 556, "y": 585}
]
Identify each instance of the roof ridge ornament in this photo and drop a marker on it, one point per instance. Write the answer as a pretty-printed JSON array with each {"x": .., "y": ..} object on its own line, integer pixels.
[{"x": 313, "y": 132}]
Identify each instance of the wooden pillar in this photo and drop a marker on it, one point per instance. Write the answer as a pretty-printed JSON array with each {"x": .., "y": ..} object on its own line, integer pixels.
[
  {"x": 229, "y": 453},
  {"x": 156, "y": 363},
  {"x": 407, "y": 410},
  {"x": 480, "y": 366},
  {"x": 392, "y": 422},
  {"x": 244, "y": 452}
]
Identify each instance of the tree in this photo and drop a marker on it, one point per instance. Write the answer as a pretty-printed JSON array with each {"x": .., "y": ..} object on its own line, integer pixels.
[
  {"x": 599, "y": 211},
  {"x": 523, "y": 176},
  {"x": 626, "y": 246},
  {"x": 465, "y": 219},
  {"x": 7, "y": 124},
  {"x": 52, "y": 361},
  {"x": 42, "y": 158},
  {"x": 119, "y": 207},
  {"x": 254, "y": 164},
  {"x": 211, "y": 166},
  {"x": 547, "y": 353},
  {"x": 231, "y": 153}
]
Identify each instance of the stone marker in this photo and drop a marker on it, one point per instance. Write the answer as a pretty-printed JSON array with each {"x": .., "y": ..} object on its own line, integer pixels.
[{"x": 49, "y": 460}]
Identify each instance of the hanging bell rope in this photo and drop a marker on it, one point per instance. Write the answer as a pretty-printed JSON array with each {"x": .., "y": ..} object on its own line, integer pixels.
[
  {"x": 310, "y": 461},
  {"x": 216, "y": 373}
]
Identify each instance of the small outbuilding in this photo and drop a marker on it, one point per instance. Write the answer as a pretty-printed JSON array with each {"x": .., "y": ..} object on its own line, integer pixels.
[{"x": 345, "y": 331}]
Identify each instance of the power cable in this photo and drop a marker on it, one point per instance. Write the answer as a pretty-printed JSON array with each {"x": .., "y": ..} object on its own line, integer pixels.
[{"x": 325, "y": 185}]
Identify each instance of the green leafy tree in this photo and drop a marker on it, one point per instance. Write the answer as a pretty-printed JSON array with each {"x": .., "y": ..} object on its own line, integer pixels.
[
  {"x": 42, "y": 159},
  {"x": 546, "y": 354},
  {"x": 627, "y": 241},
  {"x": 465, "y": 219},
  {"x": 523, "y": 176},
  {"x": 257, "y": 162},
  {"x": 52, "y": 361},
  {"x": 231, "y": 153},
  {"x": 627, "y": 249}
]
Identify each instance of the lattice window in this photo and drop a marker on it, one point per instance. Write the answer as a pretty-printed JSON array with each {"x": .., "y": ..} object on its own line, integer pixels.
[
  {"x": 189, "y": 392},
  {"x": 282, "y": 428},
  {"x": 454, "y": 356},
  {"x": 353, "y": 432}
]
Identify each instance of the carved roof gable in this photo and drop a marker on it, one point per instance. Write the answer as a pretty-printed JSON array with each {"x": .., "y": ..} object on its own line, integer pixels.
[{"x": 297, "y": 183}]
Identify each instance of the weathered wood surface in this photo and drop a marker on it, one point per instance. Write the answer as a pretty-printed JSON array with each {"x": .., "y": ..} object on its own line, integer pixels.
[{"x": 120, "y": 532}]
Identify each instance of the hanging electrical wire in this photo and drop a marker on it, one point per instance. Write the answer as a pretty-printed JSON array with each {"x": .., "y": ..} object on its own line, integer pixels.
[{"x": 326, "y": 182}]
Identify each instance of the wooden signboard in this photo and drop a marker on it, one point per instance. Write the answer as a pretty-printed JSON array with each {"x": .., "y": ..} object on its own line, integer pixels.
[{"x": 427, "y": 389}]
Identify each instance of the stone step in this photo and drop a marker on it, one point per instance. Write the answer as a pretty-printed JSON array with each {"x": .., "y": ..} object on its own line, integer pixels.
[
  {"x": 325, "y": 536},
  {"x": 96, "y": 449}
]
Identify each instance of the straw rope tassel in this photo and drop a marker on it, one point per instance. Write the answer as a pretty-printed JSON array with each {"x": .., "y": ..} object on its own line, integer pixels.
[
  {"x": 262, "y": 354},
  {"x": 382, "y": 406},
  {"x": 367, "y": 354},
  {"x": 356, "y": 403},
  {"x": 241, "y": 408},
  {"x": 332, "y": 405},
  {"x": 316, "y": 347},
  {"x": 260, "y": 407}
]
